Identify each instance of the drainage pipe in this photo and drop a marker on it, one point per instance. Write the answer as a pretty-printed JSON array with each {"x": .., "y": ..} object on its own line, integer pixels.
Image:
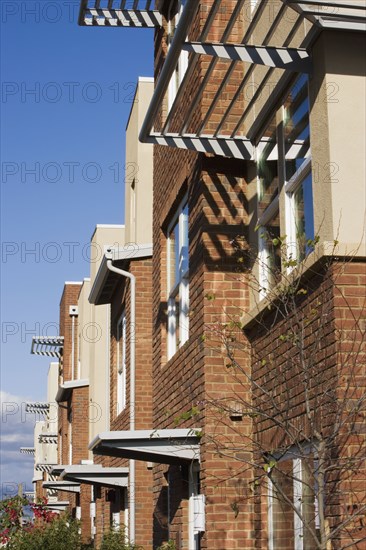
[{"x": 131, "y": 475}]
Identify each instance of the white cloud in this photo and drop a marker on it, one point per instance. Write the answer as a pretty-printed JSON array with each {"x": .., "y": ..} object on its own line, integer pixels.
[{"x": 16, "y": 428}]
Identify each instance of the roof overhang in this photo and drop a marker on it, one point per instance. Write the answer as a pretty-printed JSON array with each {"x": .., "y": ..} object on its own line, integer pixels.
[
  {"x": 349, "y": 15},
  {"x": 113, "y": 13},
  {"x": 67, "y": 486},
  {"x": 38, "y": 476},
  {"x": 58, "y": 469},
  {"x": 65, "y": 390},
  {"x": 106, "y": 280},
  {"x": 174, "y": 446},
  {"x": 94, "y": 474},
  {"x": 57, "y": 506},
  {"x": 48, "y": 346}
]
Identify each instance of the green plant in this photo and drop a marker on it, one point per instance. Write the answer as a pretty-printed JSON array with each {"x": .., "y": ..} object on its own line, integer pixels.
[
  {"x": 62, "y": 533},
  {"x": 117, "y": 540},
  {"x": 11, "y": 511},
  {"x": 169, "y": 545}
]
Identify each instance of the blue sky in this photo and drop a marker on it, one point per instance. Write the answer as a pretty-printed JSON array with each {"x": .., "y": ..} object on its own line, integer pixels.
[{"x": 66, "y": 96}]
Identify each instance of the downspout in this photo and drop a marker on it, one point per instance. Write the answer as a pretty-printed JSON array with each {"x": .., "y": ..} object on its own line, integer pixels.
[
  {"x": 107, "y": 382},
  {"x": 73, "y": 348},
  {"x": 131, "y": 476}
]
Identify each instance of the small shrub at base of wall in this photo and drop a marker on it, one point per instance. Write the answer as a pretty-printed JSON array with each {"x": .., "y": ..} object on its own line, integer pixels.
[
  {"x": 117, "y": 540},
  {"x": 170, "y": 545},
  {"x": 61, "y": 533}
]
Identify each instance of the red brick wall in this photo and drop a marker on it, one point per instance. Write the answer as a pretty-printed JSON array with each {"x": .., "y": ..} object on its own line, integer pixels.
[
  {"x": 318, "y": 346},
  {"x": 143, "y": 394},
  {"x": 79, "y": 406},
  {"x": 197, "y": 373}
]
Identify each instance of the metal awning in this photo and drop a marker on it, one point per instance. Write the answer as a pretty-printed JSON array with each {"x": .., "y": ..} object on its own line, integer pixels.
[
  {"x": 57, "y": 506},
  {"x": 106, "y": 280},
  {"x": 119, "y": 13},
  {"x": 48, "y": 438},
  {"x": 95, "y": 474},
  {"x": 225, "y": 64},
  {"x": 44, "y": 467},
  {"x": 57, "y": 469},
  {"x": 65, "y": 389},
  {"x": 37, "y": 408},
  {"x": 27, "y": 450},
  {"x": 47, "y": 346},
  {"x": 162, "y": 446},
  {"x": 67, "y": 486},
  {"x": 333, "y": 14},
  {"x": 226, "y": 125}
]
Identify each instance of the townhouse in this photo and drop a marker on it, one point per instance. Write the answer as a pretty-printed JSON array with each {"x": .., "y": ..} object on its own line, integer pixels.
[
  {"x": 233, "y": 383},
  {"x": 252, "y": 106}
]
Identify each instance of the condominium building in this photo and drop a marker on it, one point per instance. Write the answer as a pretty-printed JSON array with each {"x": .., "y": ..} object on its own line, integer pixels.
[{"x": 233, "y": 384}]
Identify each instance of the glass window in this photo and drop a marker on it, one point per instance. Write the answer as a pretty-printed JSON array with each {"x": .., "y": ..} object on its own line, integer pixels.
[
  {"x": 303, "y": 216},
  {"x": 178, "y": 283},
  {"x": 270, "y": 251},
  {"x": 285, "y": 149},
  {"x": 121, "y": 363},
  {"x": 296, "y": 127}
]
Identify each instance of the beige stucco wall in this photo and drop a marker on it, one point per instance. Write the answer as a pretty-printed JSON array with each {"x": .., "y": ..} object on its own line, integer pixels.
[
  {"x": 85, "y": 331},
  {"x": 52, "y": 387},
  {"x": 338, "y": 124},
  {"x": 103, "y": 235},
  {"x": 139, "y": 170},
  {"x": 97, "y": 337}
]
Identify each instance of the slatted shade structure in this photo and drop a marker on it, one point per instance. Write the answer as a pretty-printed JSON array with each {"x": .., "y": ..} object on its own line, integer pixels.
[
  {"x": 225, "y": 126},
  {"x": 44, "y": 467},
  {"x": 225, "y": 58},
  {"x": 47, "y": 346},
  {"x": 48, "y": 438},
  {"x": 37, "y": 408},
  {"x": 119, "y": 13},
  {"x": 27, "y": 450}
]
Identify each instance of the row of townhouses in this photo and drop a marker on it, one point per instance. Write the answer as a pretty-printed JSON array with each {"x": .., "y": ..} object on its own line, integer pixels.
[{"x": 207, "y": 385}]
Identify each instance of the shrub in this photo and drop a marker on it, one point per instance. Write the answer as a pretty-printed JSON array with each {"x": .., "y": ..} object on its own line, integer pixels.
[
  {"x": 62, "y": 533},
  {"x": 170, "y": 545},
  {"x": 117, "y": 540}
]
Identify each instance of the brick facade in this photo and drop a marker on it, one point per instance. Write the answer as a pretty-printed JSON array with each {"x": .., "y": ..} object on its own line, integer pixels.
[{"x": 120, "y": 302}]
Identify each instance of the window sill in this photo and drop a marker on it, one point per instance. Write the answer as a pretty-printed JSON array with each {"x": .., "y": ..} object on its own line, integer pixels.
[{"x": 323, "y": 250}]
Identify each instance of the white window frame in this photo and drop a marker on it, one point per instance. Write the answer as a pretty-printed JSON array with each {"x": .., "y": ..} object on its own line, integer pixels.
[
  {"x": 264, "y": 274},
  {"x": 290, "y": 215},
  {"x": 193, "y": 489},
  {"x": 121, "y": 363},
  {"x": 297, "y": 473},
  {"x": 181, "y": 288},
  {"x": 288, "y": 208}
]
